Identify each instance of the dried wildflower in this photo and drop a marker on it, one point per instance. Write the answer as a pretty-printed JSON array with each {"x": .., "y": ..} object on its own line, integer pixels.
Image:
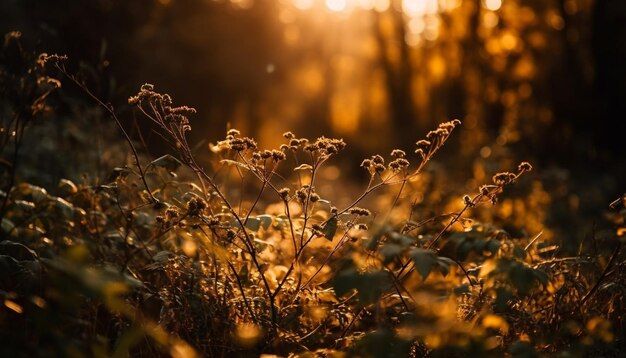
[
  {"x": 314, "y": 197},
  {"x": 318, "y": 230},
  {"x": 294, "y": 143},
  {"x": 237, "y": 144},
  {"x": 468, "y": 201},
  {"x": 449, "y": 126},
  {"x": 44, "y": 58},
  {"x": 420, "y": 152},
  {"x": 195, "y": 206},
  {"x": 366, "y": 163},
  {"x": 423, "y": 144},
  {"x": 266, "y": 154},
  {"x": 233, "y": 132},
  {"x": 278, "y": 156},
  {"x": 398, "y": 164},
  {"x": 397, "y": 153},
  {"x": 484, "y": 190},
  {"x": 333, "y": 210},
  {"x": 338, "y": 143},
  {"x": 525, "y": 167},
  {"x": 284, "y": 147},
  {"x": 377, "y": 159},
  {"x": 379, "y": 168},
  {"x": 288, "y": 135},
  {"x": 437, "y": 134},
  {"x": 311, "y": 147},
  {"x": 167, "y": 100},
  {"x": 301, "y": 194},
  {"x": 331, "y": 149},
  {"x": 359, "y": 211},
  {"x": 250, "y": 143},
  {"x": 147, "y": 87},
  {"x": 503, "y": 178},
  {"x": 182, "y": 110},
  {"x": 362, "y": 227},
  {"x": 230, "y": 234},
  {"x": 256, "y": 156},
  {"x": 213, "y": 221},
  {"x": 284, "y": 193},
  {"x": 171, "y": 213}
]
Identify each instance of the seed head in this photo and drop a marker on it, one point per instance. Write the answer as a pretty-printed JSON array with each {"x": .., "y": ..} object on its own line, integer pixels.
[
  {"x": 195, "y": 206},
  {"x": 359, "y": 211},
  {"x": 423, "y": 144},
  {"x": 284, "y": 193},
  {"x": 398, "y": 164},
  {"x": 525, "y": 167},
  {"x": 503, "y": 178},
  {"x": 233, "y": 132},
  {"x": 278, "y": 156}
]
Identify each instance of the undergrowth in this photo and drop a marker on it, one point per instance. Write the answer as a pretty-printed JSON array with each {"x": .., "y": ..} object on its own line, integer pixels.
[{"x": 244, "y": 257}]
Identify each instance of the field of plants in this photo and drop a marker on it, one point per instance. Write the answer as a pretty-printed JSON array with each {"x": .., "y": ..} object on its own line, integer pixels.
[{"x": 126, "y": 233}]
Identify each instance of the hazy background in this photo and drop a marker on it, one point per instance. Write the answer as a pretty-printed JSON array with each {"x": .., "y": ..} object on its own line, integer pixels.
[{"x": 536, "y": 80}]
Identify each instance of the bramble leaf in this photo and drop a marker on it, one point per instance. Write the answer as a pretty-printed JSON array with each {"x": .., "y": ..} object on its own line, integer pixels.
[{"x": 330, "y": 228}]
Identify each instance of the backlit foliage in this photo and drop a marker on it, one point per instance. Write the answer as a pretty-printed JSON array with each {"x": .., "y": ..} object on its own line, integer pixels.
[{"x": 245, "y": 256}]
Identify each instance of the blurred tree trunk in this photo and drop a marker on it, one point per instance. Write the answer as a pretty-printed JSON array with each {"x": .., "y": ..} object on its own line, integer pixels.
[
  {"x": 609, "y": 51},
  {"x": 398, "y": 79}
]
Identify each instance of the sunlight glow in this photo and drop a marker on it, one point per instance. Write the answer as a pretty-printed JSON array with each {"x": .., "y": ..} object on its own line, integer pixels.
[
  {"x": 336, "y": 5},
  {"x": 414, "y": 7},
  {"x": 303, "y": 4},
  {"x": 493, "y": 5},
  {"x": 381, "y": 5}
]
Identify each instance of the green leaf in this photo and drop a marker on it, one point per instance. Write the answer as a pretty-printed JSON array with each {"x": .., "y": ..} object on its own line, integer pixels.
[
  {"x": 253, "y": 224},
  {"x": 17, "y": 250},
  {"x": 330, "y": 228},
  {"x": 522, "y": 278},
  {"x": 370, "y": 285},
  {"x": 266, "y": 220},
  {"x": 493, "y": 246},
  {"x": 244, "y": 274},
  {"x": 118, "y": 173},
  {"x": 64, "y": 207},
  {"x": 502, "y": 299},
  {"x": 163, "y": 256},
  {"x": 6, "y": 225},
  {"x": 519, "y": 252},
  {"x": 391, "y": 251},
  {"x": 424, "y": 261},
  {"x": 462, "y": 290},
  {"x": 167, "y": 162},
  {"x": 235, "y": 163},
  {"x": 444, "y": 265},
  {"x": 35, "y": 193},
  {"x": 541, "y": 276},
  {"x": 521, "y": 349},
  {"x": 303, "y": 167},
  {"x": 67, "y": 187}
]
